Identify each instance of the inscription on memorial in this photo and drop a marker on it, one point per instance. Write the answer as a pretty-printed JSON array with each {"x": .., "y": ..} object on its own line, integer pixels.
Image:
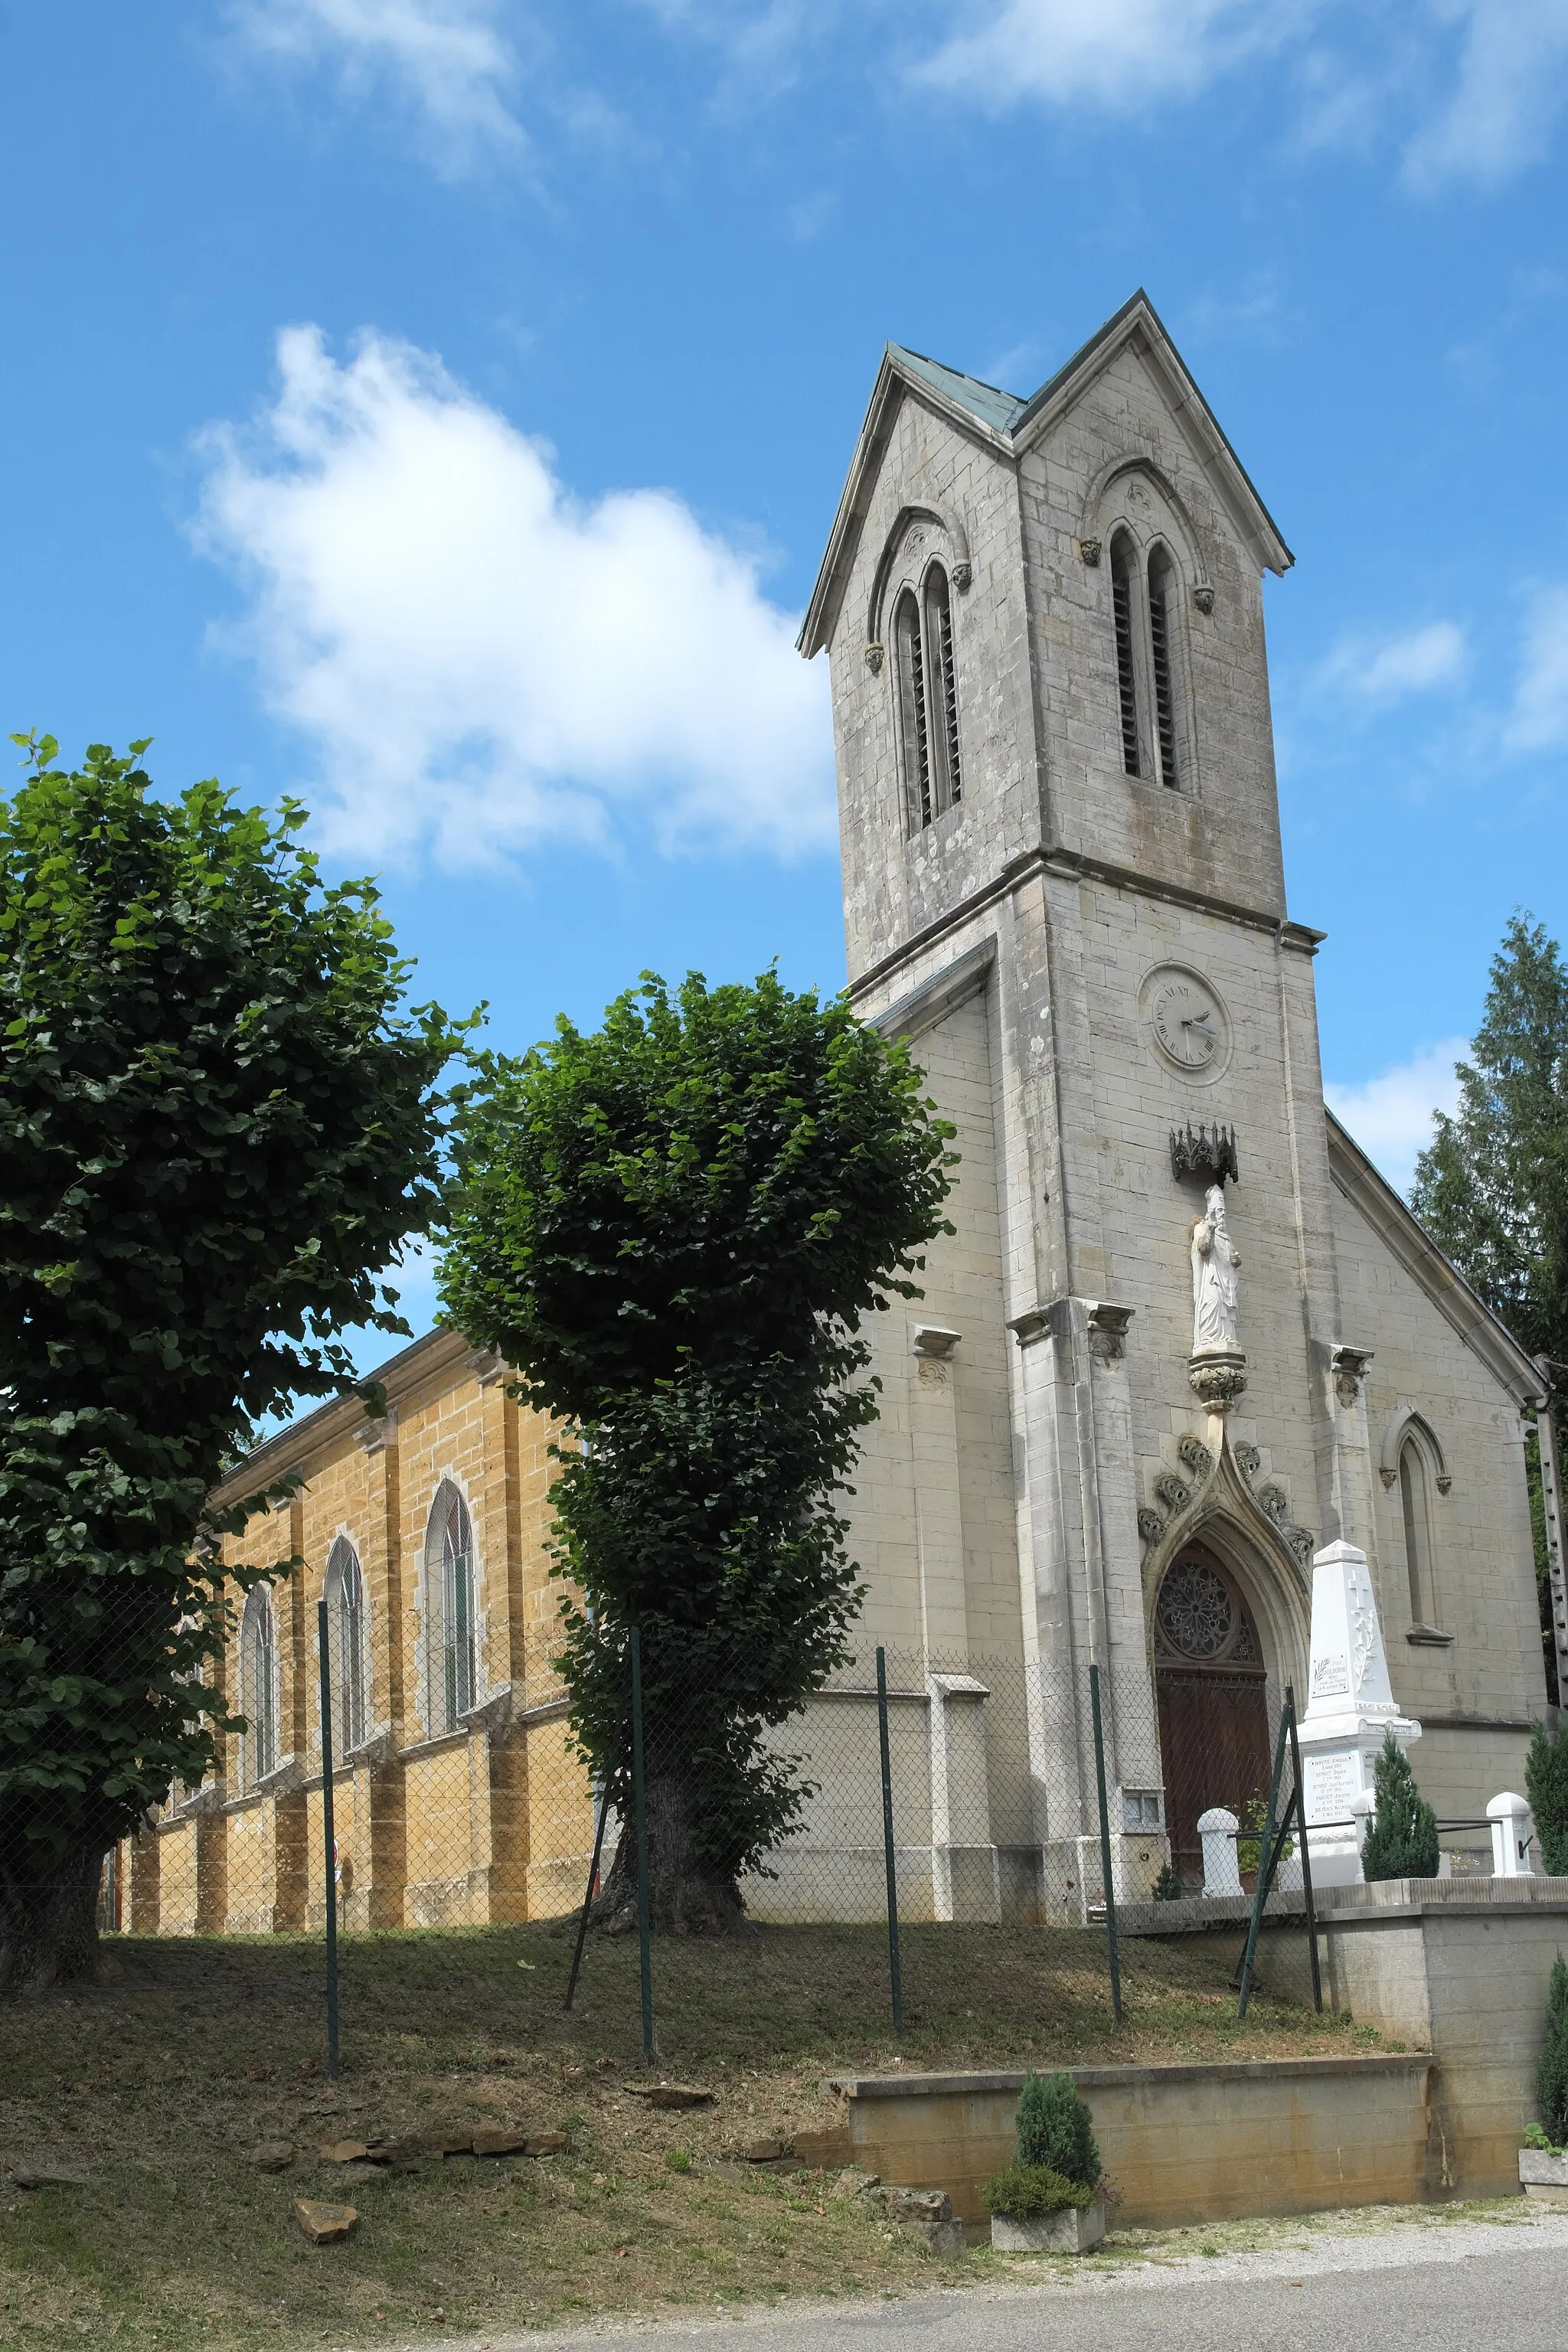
[
  {"x": 1329, "y": 1675},
  {"x": 1332, "y": 1782}
]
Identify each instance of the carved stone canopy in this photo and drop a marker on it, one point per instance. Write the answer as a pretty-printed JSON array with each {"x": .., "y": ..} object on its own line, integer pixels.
[
  {"x": 1211, "y": 1155},
  {"x": 1350, "y": 1369},
  {"x": 934, "y": 1341}
]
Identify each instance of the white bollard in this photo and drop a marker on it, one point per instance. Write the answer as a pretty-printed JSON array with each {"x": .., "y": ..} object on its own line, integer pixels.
[
  {"x": 1218, "y": 1830},
  {"x": 1511, "y": 1834}
]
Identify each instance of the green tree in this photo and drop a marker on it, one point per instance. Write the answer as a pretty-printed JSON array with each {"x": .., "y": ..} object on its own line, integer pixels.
[
  {"x": 1055, "y": 2129},
  {"x": 1552, "y": 2069},
  {"x": 1402, "y": 1836},
  {"x": 1546, "y": 1786},
  {"x": 674, "y": 1227},
  {"x": 215, "y": 1125},
  {"x": 1492, "y": 1187}
]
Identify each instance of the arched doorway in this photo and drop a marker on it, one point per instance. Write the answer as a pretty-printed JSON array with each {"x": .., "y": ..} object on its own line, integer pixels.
[{"x": 1210, "y": 1683}]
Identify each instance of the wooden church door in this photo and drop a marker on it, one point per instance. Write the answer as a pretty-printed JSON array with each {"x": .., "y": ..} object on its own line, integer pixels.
[{"x": 1210, "y": 1684}]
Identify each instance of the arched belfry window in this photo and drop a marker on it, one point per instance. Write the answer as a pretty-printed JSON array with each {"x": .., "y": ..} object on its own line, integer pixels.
[
  {"x": 928, "y": 698},
  {"x": 347, "y": 1646},
  {"x": 1416, "y": 1510},
  {"x": 1125, "y": 611},
  {"x": 449, "y": 1587},
  {"x": 1162, "y": 625},
  {"x": 1145, "y": 605},
  {"x": 258, "y": 1691}
]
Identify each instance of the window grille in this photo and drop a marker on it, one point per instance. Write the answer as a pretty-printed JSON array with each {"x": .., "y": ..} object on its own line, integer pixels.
[
  {"x": 1126, "y": 676},
  {"x": 916, "y": 722},
  {"x": 1159, "y": 645}
]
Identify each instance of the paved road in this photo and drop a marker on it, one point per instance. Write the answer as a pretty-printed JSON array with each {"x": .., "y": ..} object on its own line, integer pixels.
[{"x": 1428, "y": 2285}]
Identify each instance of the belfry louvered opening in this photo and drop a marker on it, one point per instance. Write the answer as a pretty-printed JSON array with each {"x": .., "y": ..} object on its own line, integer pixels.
[
  {"x": 1162, "y": 628},
  {"x": 1123, "y": 597},
  {"x": 927, "y": 681}
]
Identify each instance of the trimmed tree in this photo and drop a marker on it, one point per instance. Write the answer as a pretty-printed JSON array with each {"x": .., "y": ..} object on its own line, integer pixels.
[
  {"x": 215, "y": 1125},
  {"x": 1402, "y": 1836},
  {"x": 1546, "y": 1786},
  {"x": 1552, "y": 2068},
  {"x": 674, "y": 1227}
]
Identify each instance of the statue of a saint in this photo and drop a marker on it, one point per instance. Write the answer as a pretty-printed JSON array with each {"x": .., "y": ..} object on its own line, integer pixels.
[{"x": 1214, "y": 1260}]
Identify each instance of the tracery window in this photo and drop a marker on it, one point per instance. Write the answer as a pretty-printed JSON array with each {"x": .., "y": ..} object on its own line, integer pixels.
[
  {"x": 347, "y": 1646},
  {"x": 449, "y": 1587},
  {"x": 927, "y": 681},
  {"x": 258, "y": 1685}
]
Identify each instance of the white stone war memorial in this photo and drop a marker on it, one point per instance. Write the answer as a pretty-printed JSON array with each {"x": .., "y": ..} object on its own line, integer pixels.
[{"x": 1187, "y": 1341}]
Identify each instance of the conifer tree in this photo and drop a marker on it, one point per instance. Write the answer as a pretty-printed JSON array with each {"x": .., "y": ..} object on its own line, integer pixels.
[
  {"x": 1402, "y": 1840},
  {"x": 1552, "y": 2071},
  {"x": 1546, "y": 1786}
]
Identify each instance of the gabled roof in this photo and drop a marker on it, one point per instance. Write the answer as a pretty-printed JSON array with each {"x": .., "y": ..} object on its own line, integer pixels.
[
  {"x": 1407, "y": 1240},
  {"x": 1008, "y": 425}
]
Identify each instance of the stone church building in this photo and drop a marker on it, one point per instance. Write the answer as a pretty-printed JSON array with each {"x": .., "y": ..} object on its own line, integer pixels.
[{"x": 1183, "y": 1338}]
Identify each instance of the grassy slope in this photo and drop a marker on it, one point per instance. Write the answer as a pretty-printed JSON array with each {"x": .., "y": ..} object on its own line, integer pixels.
[{"x": 161, "y": 2082}]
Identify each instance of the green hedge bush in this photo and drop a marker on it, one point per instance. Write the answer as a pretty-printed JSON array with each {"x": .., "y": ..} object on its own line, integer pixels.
[
  {"x": 1551, "y": 2073},
  {"x": 1546, "y": 1786},
  {"x": 1023, "y": 2191},
  {"x": 1402, "y": 1838}
]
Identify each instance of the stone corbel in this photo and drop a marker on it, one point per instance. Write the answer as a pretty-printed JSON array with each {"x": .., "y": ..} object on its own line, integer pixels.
[
  {"x": 1349, "y": 1367},
  {"x": 374, "y": 1436},
  {"x": 874, "y": 658},
  {"x": 1108, "y": 1331},
  {"x": 934, "y": 1341},
  {"x": 488, "y": 1368}
]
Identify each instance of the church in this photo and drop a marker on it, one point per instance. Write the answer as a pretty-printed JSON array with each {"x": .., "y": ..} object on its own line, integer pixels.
[{"x": 1184, "y": 1338}]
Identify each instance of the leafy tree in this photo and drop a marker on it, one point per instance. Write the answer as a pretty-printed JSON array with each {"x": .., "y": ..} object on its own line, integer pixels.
[
  {"x": 1546, "y": 1786},
  {"x": 1492, "y": 1187},
  {"x": 1551, "y": 2070},
  {"x": 1402, "y": 1836},
  {"x": 674, "y": 1227},
  {"x": 216, "y": 1124}
]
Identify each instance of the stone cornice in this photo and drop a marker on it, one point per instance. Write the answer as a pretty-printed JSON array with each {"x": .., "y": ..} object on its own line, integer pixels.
[{"x": 303, "y": 1442}]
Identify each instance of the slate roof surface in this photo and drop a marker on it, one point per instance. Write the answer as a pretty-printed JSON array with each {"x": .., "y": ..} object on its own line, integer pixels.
[{"x": 1000, "y": 410}]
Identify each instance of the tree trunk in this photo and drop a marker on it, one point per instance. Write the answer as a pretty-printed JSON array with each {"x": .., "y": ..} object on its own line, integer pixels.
[
  {"x": 687, "y": 1895},
  {"x": 49, "y": 1925}
]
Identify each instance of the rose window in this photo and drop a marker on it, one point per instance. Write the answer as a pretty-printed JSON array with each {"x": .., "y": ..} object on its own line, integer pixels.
[{"x": 1196, "y": 1613}]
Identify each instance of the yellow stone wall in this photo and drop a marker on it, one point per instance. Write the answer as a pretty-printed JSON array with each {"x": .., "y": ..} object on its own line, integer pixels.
[{"x": 490, "y": 1821}]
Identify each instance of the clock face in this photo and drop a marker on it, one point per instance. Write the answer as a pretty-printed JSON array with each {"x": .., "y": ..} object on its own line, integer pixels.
[{"x": 1188, "y": 1021}]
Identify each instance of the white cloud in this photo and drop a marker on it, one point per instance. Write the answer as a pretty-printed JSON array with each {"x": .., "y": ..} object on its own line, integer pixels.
[
  {"x": 448, "y": 59},
  {"x": 1511, "y": 83},
  {"x": 1540, "y": 717},
  {"x": 1388, "y": 669},
  {"x": 1117, "y": 54},
  {"x": 479, "y": 660},
  {"x": 1391, "y": 1117}
]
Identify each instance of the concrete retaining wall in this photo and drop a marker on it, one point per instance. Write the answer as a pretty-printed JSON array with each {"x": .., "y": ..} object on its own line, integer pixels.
[{"x": 1179, "y": 2143}]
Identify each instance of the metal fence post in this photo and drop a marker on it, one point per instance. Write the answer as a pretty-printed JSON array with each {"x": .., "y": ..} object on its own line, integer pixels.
[
  {"x": 328, "y": 1839},
  {"x": 588, "y": 1896},
  {"x": 894, "y": 1972},
  {"x": 639, "y": 1809},
  {"x": 1306, "y": 1857},
  {"x": 1268, "y": 1858},
  {"x": 1105, "y": 1843}
]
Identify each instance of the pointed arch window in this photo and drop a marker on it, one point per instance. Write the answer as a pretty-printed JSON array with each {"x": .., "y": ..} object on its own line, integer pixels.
[
  {"x": 449, "y": 1584},
  {"x": 927, "y": 680},
  {"x": 1161, "y": 665},
  {"x": 1124, "y": 612},
  {"x": 258, "y": 1685},
  {"x": 347, "y": 1646},
  {"x": 1415, "y": 1512}
]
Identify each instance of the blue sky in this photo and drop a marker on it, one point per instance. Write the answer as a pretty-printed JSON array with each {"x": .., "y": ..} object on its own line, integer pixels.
[{"x": 437, "y": 409}]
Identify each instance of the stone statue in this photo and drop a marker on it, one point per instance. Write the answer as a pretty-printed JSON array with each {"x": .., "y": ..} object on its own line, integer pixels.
[{"x": 1215, "y": 1261}]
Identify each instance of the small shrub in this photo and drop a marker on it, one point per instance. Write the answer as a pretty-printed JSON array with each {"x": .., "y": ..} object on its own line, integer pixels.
[
  {"x": 1023, "y": 2191},
  {"x": 1168, "y": 1888},
  {"x": 1055, "y": 2129},
  {"x": 1402, "y": 1839},
  {"x": 679, "y": 2159},
  {"x": 1546, "y": 1786},
  {"x": 1249, "y": 1846},
  {"x": 1551, "y": 2073}
]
